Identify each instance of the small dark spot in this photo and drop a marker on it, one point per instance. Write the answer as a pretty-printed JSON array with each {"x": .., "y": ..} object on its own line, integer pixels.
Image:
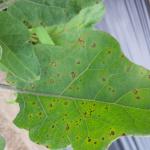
[
  {"x": 53, "y": 126},
  {"x": 5, "y": 9},
  {"x": 123, "y": 134},
  {"x": 89, "y": 139},
  {"x": 70, "y": 88},
  {"x": 67, "y": 127},
  {"x": 33, "y": 103},
  {"x": 40, "y": 113},
  {"x": 82, "y": 103},
  {"x": 106, "y": 107},
  {"x": 149, "y": 76},
  {"x": 94, "y": 104},
  {"x": 81, "y": 41},
  {"x": 138, "y": 97},
  {"x": 135, "y": 91},
  {"x": 93, "y": 45},
  {"x": 113, "y": 91},
  {"x": 27, "y": 24},
  {"x": 50, "y": 105},
  {"x": 78, "y": 62},
  {"x": 65, "y": 103},
  {"x": 77, "y": 137},
  {"x": 122, "y": 56},
  {"x": 30, "y": 116},
  {"x": 47, "y": 146},
  {"x": 103, "y": 79},
  {"x": 85, "y": 113},
  {"x": 97, "y": 2},
  {"x": 58, "y": 75},
  {"x": 109, "y": 52},
  {"x": 112, "y": 133},
  {"x": 73, "y": 74},
  {"x": 51, "y": 81},
  {"x": 95, "y": 142},
  {"x": 53, "y": 64},
  {"x": 66, "y": 114},
  {"x": 109, "y": 88},
  {"x": 103, "y": 138}
]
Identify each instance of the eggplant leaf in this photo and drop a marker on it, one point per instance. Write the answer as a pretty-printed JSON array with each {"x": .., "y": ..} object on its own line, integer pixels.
[
  {"x": 82, "y": 91},
  {"x": 2, "y": 143},
  {"x": 88, "y": 94},
  {"x": 51, "y": 12},
  {"x": 17, "y": 54}
]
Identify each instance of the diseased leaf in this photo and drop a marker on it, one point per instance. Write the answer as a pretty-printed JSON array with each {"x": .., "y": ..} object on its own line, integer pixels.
[
  {"x": 85, "y": 124},
  {"x": 2, "y": 143},
  {"x": 49, "y": 12},
  {"x": 17, "y": 54},
  {"x": 88, "y": 93}
]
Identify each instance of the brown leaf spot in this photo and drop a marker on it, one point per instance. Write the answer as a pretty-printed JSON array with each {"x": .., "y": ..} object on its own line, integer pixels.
[
  {"x": 135, "y": 91},
  {"x": 112, "y": 133},
  {"x": 51, "y": 81},
  {"x": 95, "y": 142},
  {"x": 65, "y": 103},
  {"x": 33, "y": 103},
  {"x": 122, "y": 56},
  {"x": 78, "y": 62},
  {"x": 109, "y": 52},
  {"x": 81, "y": 41},
  {"x": 40, "y": 113},
  {"x": 67, "y": 127},
  {"x": 53, "y": 64},
  {"x": 50, "y": 105},
  {"x": 103, "y": 79},
  {"x": 89, "y": 139},
  {"x": 58, "y": 75},
  {"x": 73, "y": 74},
  {"x": 93, "y": 45},
  {"x": 123, "y": 134},
  {"x": 138, "y": 97}
]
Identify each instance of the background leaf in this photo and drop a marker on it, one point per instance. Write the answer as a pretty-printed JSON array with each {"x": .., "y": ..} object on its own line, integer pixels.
[
  {"x": 48, "y": 12},
  {"x": 2, "y": 143},
  {"x": 17, "y": 56}
]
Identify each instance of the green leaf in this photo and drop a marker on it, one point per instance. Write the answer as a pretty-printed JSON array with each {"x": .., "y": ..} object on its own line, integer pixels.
[
  {"x": 79, "y": 89},
  {"x": 2, "y": 143},
  {"x": 50, "y": 12},
  {"x": 17, "y": 54},
  {"x": 88, "y": 94}
]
